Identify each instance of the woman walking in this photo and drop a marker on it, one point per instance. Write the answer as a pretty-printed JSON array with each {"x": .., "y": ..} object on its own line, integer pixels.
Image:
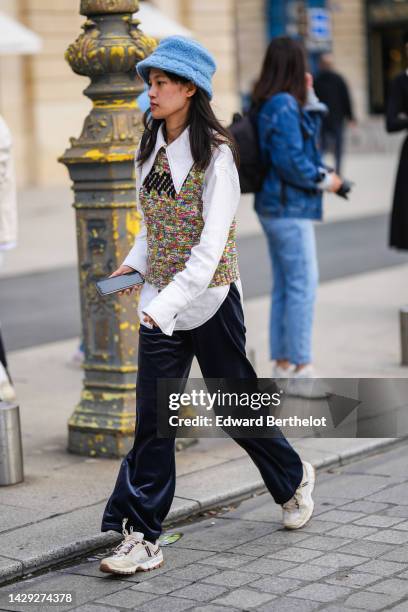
[
  {"x": 190, "y": 303},
  {"x": 289, "y": 202}
]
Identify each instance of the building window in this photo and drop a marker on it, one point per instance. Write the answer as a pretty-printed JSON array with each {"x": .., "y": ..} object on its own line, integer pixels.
[{"x": 387, "y": 21}]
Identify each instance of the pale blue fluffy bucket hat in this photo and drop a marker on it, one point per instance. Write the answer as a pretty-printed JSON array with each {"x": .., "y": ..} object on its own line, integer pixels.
[{"x": 184, "y": 57}]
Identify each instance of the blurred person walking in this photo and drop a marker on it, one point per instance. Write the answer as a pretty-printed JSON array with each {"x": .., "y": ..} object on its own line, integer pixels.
[
  {"x": 397, "y": 121},
  {"x": 289, "y": 202},
  {"x": 332, "y": 90},
  {"x": 8, "y": 234},
  {"x": 190, "y": 303}
]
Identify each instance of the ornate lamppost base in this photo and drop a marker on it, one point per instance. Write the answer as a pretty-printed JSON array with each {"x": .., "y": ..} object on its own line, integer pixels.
[
  {"x": 103, "y": 424},
  {"x": 101, "y": 166}
]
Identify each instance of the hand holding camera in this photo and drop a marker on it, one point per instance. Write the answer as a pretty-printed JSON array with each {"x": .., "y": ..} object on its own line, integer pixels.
[
  {"x": 340, "y": 186},
  {"x": 345, "y": 189}
]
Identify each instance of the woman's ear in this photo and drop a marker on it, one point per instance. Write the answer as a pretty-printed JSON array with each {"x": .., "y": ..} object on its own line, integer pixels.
[{"x": 191, "y": 89}]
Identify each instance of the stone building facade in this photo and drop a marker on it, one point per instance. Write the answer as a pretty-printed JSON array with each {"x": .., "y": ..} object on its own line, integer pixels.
[
  {"x": 42, "y": 100},
  {"x": 40, "y": 97}
]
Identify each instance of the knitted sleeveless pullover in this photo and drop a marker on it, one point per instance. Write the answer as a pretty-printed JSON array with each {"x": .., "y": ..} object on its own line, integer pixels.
[{"x": 174, "y": 223}]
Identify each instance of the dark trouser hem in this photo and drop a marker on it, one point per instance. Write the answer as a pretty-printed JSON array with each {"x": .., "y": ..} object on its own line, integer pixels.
[
  {"x": 118, "y": 529},
  {"x": 292, "y": 494}
]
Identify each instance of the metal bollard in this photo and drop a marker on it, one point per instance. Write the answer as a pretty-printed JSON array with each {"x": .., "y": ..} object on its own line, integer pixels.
[
  {"x": 11, "y": 452},
  {"x": 404, "y": 335}
]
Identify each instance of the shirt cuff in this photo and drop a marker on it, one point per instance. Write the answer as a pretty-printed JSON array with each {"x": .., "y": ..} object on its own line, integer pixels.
[
  {"x": 166, "y": 325},
  {"x": 165, "y": 307},
  {"x": 136, "y": 261}
]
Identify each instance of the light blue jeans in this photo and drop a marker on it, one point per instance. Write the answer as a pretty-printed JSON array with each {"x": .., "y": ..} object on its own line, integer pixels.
[{"x": 292, "y": 248}]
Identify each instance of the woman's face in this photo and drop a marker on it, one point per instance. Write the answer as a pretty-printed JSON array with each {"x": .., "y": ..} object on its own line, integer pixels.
[{"x": 168, "y": 97}]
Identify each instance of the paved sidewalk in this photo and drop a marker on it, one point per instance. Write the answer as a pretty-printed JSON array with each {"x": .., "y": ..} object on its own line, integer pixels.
[
  {"x": 356, "y": 330},
  {"x": 351, "y": 556}
]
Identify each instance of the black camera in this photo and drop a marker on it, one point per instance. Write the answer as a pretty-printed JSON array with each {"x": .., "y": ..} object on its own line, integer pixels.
[{"x": 345, "y": 189}]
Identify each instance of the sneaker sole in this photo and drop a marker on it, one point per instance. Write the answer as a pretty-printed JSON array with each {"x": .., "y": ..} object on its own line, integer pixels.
[
  {"x": 147, "y": 566},
  {"x": 310, "y": 513},
  {"x": 308, "y": 395}
]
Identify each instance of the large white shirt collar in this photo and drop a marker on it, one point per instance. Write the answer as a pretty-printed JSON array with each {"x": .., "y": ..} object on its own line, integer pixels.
[{"x": 178, "y": 155}]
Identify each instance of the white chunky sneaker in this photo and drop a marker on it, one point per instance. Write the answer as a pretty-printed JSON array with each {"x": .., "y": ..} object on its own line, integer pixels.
[
  {"x": 305, "y": 383},
  {"x": 299, "y": 509},
  {"x": 282, "y": 376},
  {"x": 133, "y": 554},
  {"x": 278, "y": 372}
]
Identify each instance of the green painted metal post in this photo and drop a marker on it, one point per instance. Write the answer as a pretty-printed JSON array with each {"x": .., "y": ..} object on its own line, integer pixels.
[{"x": 101, "y": 165}]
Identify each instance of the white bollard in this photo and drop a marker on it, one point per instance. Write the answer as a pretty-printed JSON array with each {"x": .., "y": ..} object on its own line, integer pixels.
[{"x": 11, "y": 451}]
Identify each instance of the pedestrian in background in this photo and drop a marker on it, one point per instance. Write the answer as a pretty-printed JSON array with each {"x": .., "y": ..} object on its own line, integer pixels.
[
  {"x": 8, "y": 234},
  {"x": 289, "y": 202},
  {"x": 190, "y": 304},
  {"x": 332, "y": 90},
  {"x": 397, "y": 121}
]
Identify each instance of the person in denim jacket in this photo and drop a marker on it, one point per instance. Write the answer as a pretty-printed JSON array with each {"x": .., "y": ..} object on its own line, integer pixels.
[{"x": 289, "y": 117}]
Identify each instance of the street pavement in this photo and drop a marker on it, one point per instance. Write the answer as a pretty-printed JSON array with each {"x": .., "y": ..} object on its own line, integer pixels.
[{"x": 351, "y": 556}]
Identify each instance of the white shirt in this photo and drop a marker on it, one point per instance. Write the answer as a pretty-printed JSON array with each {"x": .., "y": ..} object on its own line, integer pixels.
[{"x": 187, "y": 301}]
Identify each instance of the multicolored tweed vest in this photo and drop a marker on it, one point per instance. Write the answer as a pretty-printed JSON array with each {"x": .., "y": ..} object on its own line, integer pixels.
[{"x": 174, "y": 223}]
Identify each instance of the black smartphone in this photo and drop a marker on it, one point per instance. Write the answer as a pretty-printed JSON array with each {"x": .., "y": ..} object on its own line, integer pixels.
[{"x": 107, "y": 286}]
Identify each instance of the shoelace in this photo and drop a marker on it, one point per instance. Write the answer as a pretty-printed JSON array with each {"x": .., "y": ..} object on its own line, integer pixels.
[
  {"x": 293, "y": 503},
  {"x": 125, "y": 532},
  {"x": 129, "y": 542}
]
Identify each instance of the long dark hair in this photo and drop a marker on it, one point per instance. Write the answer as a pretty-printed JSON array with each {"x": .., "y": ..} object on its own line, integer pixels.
[
  {"x": 206, "y": 131},
  {"x": 283, "y": 70}
]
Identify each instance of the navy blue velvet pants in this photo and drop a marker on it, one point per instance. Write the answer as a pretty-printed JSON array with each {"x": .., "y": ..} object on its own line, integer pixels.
[{"x": 145, "y": 486}]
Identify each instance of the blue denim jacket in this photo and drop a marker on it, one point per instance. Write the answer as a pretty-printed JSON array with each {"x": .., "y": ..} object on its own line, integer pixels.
[{"x": 289, "y": 146}]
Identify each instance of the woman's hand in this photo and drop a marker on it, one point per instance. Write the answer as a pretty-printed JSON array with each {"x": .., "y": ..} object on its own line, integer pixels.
[
  {"x": 149, "y": 320},
  {"x": 126, "y": 270},
  {"x": 336, "y": 182}
]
